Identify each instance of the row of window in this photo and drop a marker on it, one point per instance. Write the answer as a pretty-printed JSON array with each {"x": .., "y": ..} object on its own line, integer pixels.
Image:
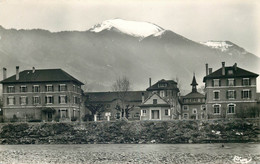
[
  {"x": 231, "y": 94},
  {"x": 231, "y": 82},
  {"x": 37, "y": 88},
  {"x": 49, "y": 99},
  {"x": 230, "y": 110},
  {"x": 190, "y": 100},
  {"x": 186, "y": 108},
  {"x": 166, "y": 112}
]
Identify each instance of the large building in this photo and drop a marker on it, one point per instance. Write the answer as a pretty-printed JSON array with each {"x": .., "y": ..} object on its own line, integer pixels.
[
  {"x": 162, "y": 103},
  {"x": 44, "y": 94},
  {"x": 193, "y": 104},
  {"x": 229, "y": 90}
]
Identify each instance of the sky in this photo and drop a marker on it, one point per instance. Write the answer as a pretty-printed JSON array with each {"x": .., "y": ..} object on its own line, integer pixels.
[{"x": 235, "y": 20}]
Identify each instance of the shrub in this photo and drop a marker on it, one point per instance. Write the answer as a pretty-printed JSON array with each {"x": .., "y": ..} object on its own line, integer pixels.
[
  {"x": 35, "y": 120},
  {"x": 74, "y": 118},
  {"x": 14, "y": 119}
]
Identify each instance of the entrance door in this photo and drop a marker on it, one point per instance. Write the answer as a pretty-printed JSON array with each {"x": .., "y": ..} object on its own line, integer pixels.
[
  {"x": 155, "y": 114},
  {"x": 49, "y": 114}
]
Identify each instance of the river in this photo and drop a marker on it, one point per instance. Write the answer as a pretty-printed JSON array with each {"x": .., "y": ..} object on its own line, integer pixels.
[{"x": 130, "y": 153}]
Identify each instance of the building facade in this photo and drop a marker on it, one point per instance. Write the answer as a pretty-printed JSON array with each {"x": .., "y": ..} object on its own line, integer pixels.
[
  {"x": 44, "y": 94},
  {"x": 193, "y": 104},
  {"x": 162, "y": 102},
  {"x": 229, "y": 90}
]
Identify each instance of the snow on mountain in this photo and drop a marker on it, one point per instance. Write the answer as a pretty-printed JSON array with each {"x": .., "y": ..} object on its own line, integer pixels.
[
  {"x": 133, "y": 28},
  {"x": 221, "y": 45}
]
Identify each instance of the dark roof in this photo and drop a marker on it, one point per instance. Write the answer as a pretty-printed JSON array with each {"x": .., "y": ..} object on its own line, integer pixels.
[
  {"x": 194, "y": 95},
  {"x": 237, "y": 72},
  {"x": 131, "y": 96},
  {"x": 154, "y": 105},
  {"x": 42, "y": 75},
  {"x": 171, "y": 84},
  {"x": 194, "y": 82}
]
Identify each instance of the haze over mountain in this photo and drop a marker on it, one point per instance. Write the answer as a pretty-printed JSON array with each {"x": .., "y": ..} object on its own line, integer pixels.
[{"x": 111, "y": 49}]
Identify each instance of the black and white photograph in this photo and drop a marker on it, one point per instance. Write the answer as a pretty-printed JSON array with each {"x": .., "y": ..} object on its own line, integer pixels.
[{"x": 129, "y": 82}]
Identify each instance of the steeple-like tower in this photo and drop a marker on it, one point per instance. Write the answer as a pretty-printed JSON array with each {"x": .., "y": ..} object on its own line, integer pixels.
[{"x": 194, "y": 84}]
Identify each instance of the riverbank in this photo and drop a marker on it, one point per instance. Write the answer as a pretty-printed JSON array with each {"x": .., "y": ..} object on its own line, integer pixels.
[
  {"x": 179, "y": 131},
  {"x": 130, "y": 153}
]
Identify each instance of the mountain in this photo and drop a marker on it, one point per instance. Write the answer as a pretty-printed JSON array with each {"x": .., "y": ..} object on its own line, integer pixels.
[
  {"x": 100, "y": 55},
  {"x": 132, "y": 28}
]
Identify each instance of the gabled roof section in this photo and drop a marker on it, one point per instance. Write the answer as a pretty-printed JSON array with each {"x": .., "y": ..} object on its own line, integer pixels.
[
  {"x": 170, "y": 84},
  {"x": 237, "y": 72},
  {"x": 42, "y": 75},
  {"x": 194, "y": 95},
  {"x": 103, "y": 97}
]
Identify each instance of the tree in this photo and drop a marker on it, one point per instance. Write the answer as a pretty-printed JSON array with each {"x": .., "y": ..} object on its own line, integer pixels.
[
  {"x": 245, "y": 112},
  {"x": 94, "y": 108},
  {"x": 121, "y": 86}
]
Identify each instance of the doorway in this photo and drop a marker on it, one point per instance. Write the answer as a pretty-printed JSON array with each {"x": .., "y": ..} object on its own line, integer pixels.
[{"x": 155, "y": 114}]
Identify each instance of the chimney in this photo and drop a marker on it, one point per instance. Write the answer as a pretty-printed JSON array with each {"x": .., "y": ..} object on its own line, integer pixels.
[
  {"x": 33, "y": 69},
  {"x": 210, "y": 70},
  {"x": 142, "y": 97},
  {"x": 235, "y": 66},
  {"x": 4, "y": 73},
  {"x": 223, "y": 68},
  {"x": 150, "y": 82},
  {"x": 207, "y": 69},
  {"x": 17, "y": 72}
]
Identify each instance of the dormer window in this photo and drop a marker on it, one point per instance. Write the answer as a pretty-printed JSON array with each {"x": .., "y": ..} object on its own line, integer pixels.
[
  {"x": 162, "y": 85},
  {"x": 230, "y": 72}
]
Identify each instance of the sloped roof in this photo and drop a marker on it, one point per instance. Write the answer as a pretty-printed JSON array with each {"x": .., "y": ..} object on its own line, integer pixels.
[
  {"x": 194, "y": 82},
  {"x": 154, "y": 105},
  {"x": 194, "y": 95},
  {"x": 171, "y": 84},
  {"x": 42, "y": 75},
  {"x": 237, "y": 72},
  {"x": 111, "y": 96}
]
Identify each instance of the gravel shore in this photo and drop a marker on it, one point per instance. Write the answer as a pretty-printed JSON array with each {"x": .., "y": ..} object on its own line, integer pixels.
[{"x": 80, "y": 157}]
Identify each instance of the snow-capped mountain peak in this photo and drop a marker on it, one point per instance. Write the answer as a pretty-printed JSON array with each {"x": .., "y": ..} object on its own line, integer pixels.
[
  {"x": 133, "y": 28},
  {"x": 221, "y": 45}
]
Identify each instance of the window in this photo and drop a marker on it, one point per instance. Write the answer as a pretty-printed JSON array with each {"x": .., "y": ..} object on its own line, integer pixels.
[
  {"x": 62, "y": 99},
  {"x": 231, "y": 94},
  {"x": 36, "y": 88},
  {"x": 143, "y": 113},
  {"x": 49, "y": 88},
  {"x": 23, "y": 100},
  {"x": 231, "y": 82},
  {"x": 231, "y": 109},
  {"x": 62, "y": 87},
  {"x": 36, "y": 100},
  {"x": 216, "y": 95},
  {"x": 10, "y": 89},
  {"x": 216, "y": 109},
  {"x": 185, "y": 116},
  {"x": 162, "y": 93},
  {"x": 230, "y": 72},
  {"x": 63, "y": 113},
  {"x": 49, "y": 99},
  {"x": 194, "y": 111},
  {"x": 246, "y": 94},
  {"x": 245, "y": 81},
  {"x": 167, "y": 112},
  {"x": 154, "y": 101},
  {"x": 23, "y": 88},
  {"x": 216, "y": 82},
  {"x": 185, "y": 107},
  {"x": 11, "y": 100}
]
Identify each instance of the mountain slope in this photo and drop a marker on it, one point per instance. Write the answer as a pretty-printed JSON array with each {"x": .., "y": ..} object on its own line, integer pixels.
[{"x": 101, "y": 57}]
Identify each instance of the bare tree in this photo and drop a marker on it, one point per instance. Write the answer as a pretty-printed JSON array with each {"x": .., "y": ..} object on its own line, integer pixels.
[
  {"x": 178, "y": 81},
  {"x": 121, "y": 86},
  {"x": 94, "y": 108}
]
